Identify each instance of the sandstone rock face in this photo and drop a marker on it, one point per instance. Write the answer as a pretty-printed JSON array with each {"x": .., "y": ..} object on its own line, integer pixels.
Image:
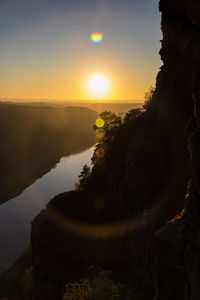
[
  {"x": 139, "y": 188},
  {"x": 176, "y": 248}
]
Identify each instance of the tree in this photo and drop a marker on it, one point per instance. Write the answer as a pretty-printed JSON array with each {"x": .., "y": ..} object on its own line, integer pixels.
[
  {"x": 83, "y": 177},
  {"x": 132, "y": 114},
  {"x": 148, "y": 97},
  {"x": 106, "y": 134}
]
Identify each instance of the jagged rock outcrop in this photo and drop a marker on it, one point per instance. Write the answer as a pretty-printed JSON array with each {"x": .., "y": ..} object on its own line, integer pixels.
[{"x": 139, "y": 186}]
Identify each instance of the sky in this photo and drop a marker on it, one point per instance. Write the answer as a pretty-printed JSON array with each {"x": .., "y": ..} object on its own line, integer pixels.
[{"x": 46, "y": 51}]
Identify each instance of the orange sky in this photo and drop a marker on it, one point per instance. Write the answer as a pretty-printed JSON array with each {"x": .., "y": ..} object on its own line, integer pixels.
[{"x": 53, "y": 57}]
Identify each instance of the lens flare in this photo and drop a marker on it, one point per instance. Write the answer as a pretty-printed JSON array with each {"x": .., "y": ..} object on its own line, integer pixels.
[
  {"x": 99, "y": 123},
  {"x": 96, "y": 38},
  {"x": 100, "y": 133}
]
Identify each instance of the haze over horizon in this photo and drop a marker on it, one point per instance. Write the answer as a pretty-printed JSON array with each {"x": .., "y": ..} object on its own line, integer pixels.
[{"x": 46, "y": 51}]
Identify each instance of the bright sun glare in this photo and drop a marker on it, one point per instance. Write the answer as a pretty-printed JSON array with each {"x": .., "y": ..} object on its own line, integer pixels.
[{"x": 98, "y": 84}]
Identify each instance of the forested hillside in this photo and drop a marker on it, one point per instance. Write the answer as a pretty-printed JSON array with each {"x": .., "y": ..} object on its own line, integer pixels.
[{"x": 33, "y": 139}]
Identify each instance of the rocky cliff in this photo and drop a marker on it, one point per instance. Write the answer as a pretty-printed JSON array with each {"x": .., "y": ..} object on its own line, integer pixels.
[
  {"x": 176, "y": 247},
  {"x": 118, "y": 219}
]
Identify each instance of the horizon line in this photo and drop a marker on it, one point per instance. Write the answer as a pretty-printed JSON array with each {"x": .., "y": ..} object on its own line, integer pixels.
[{"x": 70, "y": 100}]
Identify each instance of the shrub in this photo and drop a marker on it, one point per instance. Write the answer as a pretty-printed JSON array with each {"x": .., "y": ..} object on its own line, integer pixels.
[
  {"x": 132, "y": 114},
  {"x": 148, "y": 98},
  {"x": 103, "y": 287},
  {"x": 100, "y": 288}
]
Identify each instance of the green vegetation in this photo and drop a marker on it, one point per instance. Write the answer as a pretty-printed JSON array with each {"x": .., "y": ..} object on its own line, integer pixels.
[
  {"x": 106, "y": 137},
  {"x": 104, "y": 286},
  {"x": 33, "y": 139},
  {"x": 148, "y": 98},
  {"x": 101, "y": 288},
  {"x": 113, "y": 125},
  {"x": 83, "y": 177}
]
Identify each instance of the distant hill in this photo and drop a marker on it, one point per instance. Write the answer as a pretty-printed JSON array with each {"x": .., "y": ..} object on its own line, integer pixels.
[
  {"x": 33, "y": 139},
  {"x": 98, "y": 106},
  {"x": 114, "y": 107}
]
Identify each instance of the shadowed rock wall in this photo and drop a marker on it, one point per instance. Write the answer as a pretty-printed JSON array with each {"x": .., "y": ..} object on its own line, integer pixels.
[{"x": 176, "y": 247}]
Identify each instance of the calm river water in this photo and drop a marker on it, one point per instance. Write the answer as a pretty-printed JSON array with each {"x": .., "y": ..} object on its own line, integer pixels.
[{"x": 16, "y": 214}]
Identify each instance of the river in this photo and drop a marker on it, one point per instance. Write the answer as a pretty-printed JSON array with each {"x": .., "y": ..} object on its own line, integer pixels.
[{"x": 16, "y": 214}]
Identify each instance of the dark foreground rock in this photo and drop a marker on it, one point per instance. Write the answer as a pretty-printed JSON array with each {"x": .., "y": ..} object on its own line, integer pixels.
[{"x": 176, "y": 247}]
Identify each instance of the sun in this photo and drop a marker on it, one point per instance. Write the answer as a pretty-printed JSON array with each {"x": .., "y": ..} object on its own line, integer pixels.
[{"x": 98, "y": 85}]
